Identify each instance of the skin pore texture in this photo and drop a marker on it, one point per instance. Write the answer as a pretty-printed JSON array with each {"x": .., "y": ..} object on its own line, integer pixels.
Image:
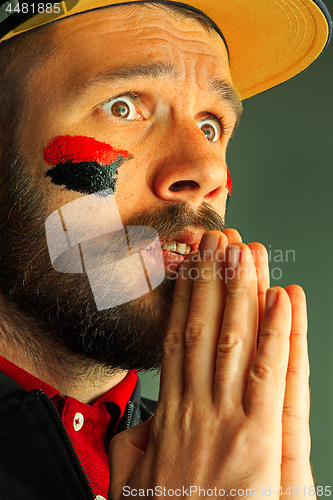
[
  {"x": 176, "y": 126},
  {"x": 83, "y": 164}
]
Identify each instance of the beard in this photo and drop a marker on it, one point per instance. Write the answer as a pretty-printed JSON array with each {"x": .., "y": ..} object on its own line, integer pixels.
[{"x": 58, "y": 309}]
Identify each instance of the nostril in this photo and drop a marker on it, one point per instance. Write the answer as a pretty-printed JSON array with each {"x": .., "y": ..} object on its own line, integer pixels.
[{"x": 183, "y": 186}]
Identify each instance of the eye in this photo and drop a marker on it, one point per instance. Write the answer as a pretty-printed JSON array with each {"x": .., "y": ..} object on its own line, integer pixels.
[
  {"x": 212, "y": 128},
  {"x": 122, "y": 108}
]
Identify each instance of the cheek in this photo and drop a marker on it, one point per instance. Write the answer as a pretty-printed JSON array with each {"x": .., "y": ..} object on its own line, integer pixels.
[{"x": 83, "y": 164}]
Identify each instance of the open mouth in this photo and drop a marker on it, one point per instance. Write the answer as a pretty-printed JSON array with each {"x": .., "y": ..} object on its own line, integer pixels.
[{"x": 175, "y": 247}]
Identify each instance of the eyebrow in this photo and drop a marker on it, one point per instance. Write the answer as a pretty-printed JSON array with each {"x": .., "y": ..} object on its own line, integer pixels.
[
  {"x": 227, "y": 93},
  {"x": 134, "y": 72},
  {"x": 160, "y": 69}
]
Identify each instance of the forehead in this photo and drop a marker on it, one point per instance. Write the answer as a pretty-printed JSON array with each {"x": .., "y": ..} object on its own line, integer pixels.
[{"x": 90, "y": 42}]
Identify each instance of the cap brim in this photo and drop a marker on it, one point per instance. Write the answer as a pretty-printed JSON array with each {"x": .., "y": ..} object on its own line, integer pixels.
[{"x": 269, "y": 41}]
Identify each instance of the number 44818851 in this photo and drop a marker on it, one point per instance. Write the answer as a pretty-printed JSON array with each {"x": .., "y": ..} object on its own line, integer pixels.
[{"x": 305, "y": 491}]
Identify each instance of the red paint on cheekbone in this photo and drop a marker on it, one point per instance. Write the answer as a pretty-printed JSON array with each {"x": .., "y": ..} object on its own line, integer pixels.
[
  {"x": 229, "y": 182},
  {"x": 80, "y": 148}
]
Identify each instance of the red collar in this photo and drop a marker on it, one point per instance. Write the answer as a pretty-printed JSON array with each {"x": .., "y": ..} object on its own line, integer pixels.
[
  {"x": 120, "y": 394},
  {"x": 89, "y": 427}
]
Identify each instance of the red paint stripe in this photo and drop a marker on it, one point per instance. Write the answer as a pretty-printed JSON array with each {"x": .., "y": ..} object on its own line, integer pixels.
[
  {"x": 80, "y": 148},
  {"x": 229, "y": 182}
]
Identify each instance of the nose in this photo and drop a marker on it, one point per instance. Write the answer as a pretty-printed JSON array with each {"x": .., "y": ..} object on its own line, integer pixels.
[{"x": 189, "y": 167}]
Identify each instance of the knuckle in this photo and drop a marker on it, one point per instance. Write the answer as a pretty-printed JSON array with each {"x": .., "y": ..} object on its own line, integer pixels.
[
  {"x": 303, "y": 372},
  {"x": 289, "y": 459},
  {"x": 173, "y": 342},
  {"x": 194, "y": 333},
  {"x": 236, "y": 292},
  {"x": 163, "y": 417},
  {"x": 268, "y": 334},
  {"x": 262, "y": 372},
  {"x": 205, "y": 275},
  {"x": 182, "y": 295},
  {"x": 229, "y": 343},
  {"x": 296, "y": 413},
  {"x": 186, "y": 419}
]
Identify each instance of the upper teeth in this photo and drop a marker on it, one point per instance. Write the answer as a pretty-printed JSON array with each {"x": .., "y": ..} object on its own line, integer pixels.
[{"x": 174, "y": 246}]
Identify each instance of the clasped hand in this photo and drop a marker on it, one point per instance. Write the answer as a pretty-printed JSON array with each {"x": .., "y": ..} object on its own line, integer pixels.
[{"x": 233, "y": 409}]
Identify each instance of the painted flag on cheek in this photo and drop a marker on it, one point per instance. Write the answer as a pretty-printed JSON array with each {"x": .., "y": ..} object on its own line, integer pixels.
[{"x": 83, "y": 164}]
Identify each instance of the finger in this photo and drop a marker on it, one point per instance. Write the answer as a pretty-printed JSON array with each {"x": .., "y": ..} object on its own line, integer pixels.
[
  {"x": 296, "y": 469},
  {"x": 237, "y": 341},
  {"x": 125, "y": 452},
  {"x": 260, "y": 257},
  {"x": 232, "y": 235},
  {"x": 266, "y": 385},
  {"x": 172, "y": 366},
  {"x": 205, "y": 316}
]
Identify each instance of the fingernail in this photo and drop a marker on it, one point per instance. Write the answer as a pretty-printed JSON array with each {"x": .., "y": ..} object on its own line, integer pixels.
[
  {"x": 209, "y": 241},
  {"x": 271, "y": 296},
  {"x": 233, "y": 256}
]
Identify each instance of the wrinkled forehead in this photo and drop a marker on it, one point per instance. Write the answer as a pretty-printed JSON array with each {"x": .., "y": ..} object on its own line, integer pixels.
[
  {"x": 138, "y": 30},
  {"x": 91, "y": 44},
  {"x": 134, "y": 14}
]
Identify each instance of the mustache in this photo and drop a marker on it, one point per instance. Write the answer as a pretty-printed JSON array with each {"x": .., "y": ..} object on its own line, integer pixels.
[
  {"x": 169, "y": 222},
  {"x": 176, "y": 217},
  {"x": 142, "y": 231}
]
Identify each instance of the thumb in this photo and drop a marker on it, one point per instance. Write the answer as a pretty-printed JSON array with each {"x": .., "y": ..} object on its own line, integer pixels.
[{"x": 125, "y": 452}]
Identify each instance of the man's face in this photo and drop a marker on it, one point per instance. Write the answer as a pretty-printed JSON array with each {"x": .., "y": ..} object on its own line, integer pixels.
[{"x": 151, "y": 86}]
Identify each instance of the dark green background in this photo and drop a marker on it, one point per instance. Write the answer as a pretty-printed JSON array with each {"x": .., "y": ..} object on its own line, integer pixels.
[{"x": 282, "y": 169}]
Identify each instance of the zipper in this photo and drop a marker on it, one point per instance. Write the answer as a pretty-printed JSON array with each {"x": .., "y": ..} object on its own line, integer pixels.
[
  {"x": 128, "y": 415},
  {"x": 83, "y": 475}
]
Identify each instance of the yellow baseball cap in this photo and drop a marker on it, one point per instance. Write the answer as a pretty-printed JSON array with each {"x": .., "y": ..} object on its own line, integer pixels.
[{"x": 268, "y": 41}]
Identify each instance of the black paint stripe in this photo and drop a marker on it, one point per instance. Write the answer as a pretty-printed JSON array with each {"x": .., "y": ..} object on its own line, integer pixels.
[{"x": 86, "y": 177}]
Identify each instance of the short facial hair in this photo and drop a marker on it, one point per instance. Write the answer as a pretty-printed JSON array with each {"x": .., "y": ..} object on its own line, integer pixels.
[{"x": 61, "y": 306}]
